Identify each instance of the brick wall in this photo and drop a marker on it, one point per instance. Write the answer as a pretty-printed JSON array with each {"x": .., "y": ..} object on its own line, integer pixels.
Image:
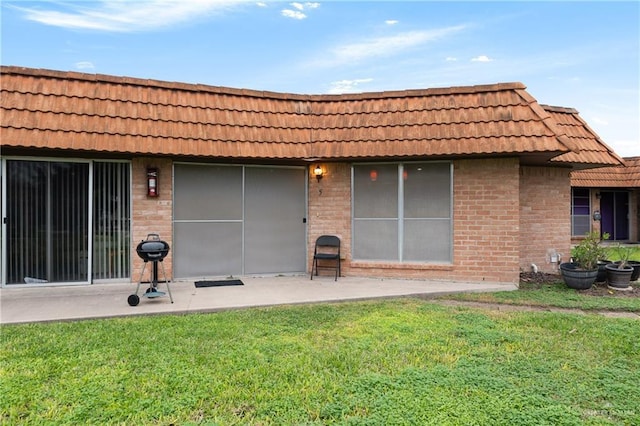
[
  {"x": 329, "y": 209},
  {"x": 151, "y": 215},
  {"x": 486, "y": 220},
  {"x": 545, "y": 217}
]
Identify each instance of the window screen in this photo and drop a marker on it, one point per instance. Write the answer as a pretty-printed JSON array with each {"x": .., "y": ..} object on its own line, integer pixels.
[
  {"x": 402, "y": 212},
  {"x": 580, "y": 211}
]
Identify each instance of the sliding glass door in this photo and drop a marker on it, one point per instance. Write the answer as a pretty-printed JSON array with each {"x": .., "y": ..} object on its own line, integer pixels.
[
  {"x": 111, "y": 221},
  {"x": 47, "y": 221},
  {"x": 65, "y": 221}
]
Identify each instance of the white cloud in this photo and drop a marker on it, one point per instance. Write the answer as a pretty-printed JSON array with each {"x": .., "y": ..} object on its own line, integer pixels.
[
  {"x": 451, "y": 59},
  {"x": 300, "y": 7},
  {"x": 391, "y": 21},
  {"x": 125, "y": 16},
  {"x": 481, "y": 58},
  {"x": 84, "y": 65},
  {"x": 383, "y": 46},
  {"x": 288, "y": 13},
  {"x": 346, "y": 86}
]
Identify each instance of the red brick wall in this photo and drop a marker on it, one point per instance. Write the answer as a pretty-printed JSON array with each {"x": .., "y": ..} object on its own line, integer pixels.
[
  {"x": 151, "y": 215},
  {"x": 545, "y": 216},
  {"x": 329, "y": 209},
  {"x": 486, "y": 220}
]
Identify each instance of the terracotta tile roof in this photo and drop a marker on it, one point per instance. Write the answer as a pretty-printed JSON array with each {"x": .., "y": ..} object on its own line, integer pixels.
[
  {"x": 627, "y": 176},
  {"x": 587, "y": 147},
  {"x": 68, "y": 110}
]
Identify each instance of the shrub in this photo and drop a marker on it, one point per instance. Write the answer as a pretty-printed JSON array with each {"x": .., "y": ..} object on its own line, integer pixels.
[{"x": 587, "y": 253}]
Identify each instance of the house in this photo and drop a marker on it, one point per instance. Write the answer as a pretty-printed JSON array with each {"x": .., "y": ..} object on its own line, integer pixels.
[
  {"x": 461, "y": 183},
  {"x": 607, "y": 200},
  {"x": 602, "y": 199}
]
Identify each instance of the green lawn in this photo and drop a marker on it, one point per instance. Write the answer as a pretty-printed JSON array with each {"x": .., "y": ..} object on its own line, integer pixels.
[
  {"x": 560, "y": 296},
  {"x": 614, "y": 252},
  {"x": 557, "y": 295},
  {"x": 394, "y": 362}
]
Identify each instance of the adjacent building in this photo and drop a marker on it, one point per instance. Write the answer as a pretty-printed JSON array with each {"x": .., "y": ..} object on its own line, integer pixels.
[{"x": 607, "y": 200}]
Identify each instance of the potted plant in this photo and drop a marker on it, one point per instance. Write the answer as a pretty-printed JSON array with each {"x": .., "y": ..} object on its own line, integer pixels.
[
  {"x": 634, "y": 264},
  {"x": 636, "y": 269},
  {"x": 619, "y": 273},
  {"x": 582, "y": 271},
  {"x": 602, "y": 270}
]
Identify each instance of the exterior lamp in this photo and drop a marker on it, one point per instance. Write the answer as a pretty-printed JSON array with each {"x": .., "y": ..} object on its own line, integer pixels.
[{"x": 317, "y": 172}]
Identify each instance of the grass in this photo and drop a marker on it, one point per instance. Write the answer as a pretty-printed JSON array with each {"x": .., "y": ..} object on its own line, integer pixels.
[
  {"x": 614, "y": 254},
  {"x": 560, "y": 296},
  {"x": 556, "y": 295},
  {"x": 393, "y": 362}
]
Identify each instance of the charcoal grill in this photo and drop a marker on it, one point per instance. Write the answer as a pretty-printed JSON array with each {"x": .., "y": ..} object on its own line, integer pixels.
[{"x": 152, "y": 250}]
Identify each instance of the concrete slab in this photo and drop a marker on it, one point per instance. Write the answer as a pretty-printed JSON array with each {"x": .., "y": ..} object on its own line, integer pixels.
[{"x": 63, "y": 303}]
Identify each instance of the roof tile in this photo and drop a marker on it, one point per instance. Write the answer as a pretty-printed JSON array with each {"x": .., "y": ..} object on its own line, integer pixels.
[
  {"x": 129, "y": 115},
  {"x": 588, "y": 147},
  {"x": 627, "y": 176}
]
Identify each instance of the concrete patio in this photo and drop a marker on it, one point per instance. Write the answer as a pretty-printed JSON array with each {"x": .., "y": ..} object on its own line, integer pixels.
[{"x": 77, "y": 302}]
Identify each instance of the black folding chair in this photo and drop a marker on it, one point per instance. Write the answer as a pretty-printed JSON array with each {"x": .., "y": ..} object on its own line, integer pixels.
[{"x": 327, "y": 251}]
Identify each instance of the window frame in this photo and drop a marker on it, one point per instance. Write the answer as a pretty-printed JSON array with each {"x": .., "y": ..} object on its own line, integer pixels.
[
  {"x": 446, "y": 255},
  {"x": 574, "y": 206}
]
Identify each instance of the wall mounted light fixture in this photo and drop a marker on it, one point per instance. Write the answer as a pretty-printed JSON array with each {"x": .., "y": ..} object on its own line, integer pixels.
[{"x": 318, "y": 173}]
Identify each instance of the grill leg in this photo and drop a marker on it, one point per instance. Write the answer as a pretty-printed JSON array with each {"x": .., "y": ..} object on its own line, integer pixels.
[
  {"x": 144, "y": 266},
  {"x": 167, "y": 282},
  {"x": 154, "y": 274}
]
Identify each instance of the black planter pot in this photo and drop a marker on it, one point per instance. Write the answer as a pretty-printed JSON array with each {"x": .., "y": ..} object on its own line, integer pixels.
[
  {"x": 577, "y": 278},
  {"x": 618, "y": 278},
  {"x": 602, "y": 271},
  {"x": 636, "y": 269}
]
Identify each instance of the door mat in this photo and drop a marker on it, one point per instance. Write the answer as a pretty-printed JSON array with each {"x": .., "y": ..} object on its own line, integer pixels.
[{"x": 218, "y": 283}]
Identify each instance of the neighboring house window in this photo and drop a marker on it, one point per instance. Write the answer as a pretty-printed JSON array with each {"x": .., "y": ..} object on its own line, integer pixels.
[
  {"x": 580, "y": 211},
  {"x": 403, "y": 212}
]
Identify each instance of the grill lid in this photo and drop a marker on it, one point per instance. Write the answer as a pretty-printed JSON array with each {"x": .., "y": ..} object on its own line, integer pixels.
[{"x": 152, "y": 249}]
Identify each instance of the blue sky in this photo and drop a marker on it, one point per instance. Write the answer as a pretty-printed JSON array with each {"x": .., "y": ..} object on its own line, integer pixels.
[{"x": 583, "y": 55}]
